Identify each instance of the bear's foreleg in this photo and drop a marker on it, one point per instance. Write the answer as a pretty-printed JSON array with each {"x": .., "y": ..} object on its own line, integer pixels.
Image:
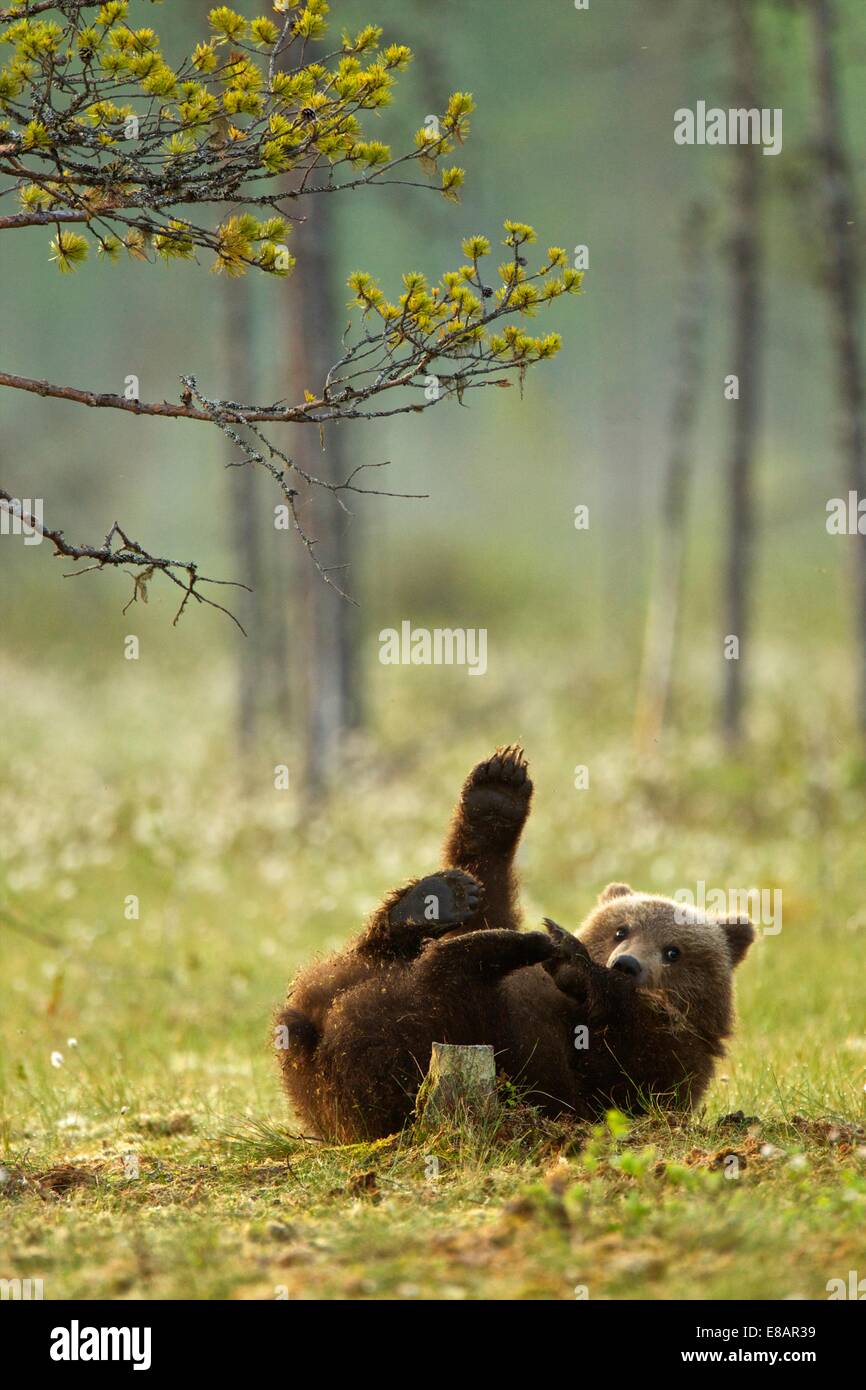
[
  {"x": 605, "y": 995},
  {"x": 481, "y": 955}
]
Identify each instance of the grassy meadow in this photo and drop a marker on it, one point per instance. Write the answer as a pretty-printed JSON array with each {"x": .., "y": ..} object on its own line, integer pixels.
[{"x": 146, "y": 1148}]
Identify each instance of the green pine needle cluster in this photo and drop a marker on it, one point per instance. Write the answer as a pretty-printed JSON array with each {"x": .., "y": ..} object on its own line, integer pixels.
[
  {"x": 136, "y": 149},
  {"x": 150, "y": 131},
  {"x": 456, "y": 315}
]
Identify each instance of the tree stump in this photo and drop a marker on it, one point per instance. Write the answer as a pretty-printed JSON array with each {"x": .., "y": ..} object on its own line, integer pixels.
[{"x": 461, "y": 1083}]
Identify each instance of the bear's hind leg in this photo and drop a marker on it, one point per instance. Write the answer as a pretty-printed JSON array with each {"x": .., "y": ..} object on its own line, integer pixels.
[
  {"x": 486, "y": 828},
  {"x": 419, "y": 911}
]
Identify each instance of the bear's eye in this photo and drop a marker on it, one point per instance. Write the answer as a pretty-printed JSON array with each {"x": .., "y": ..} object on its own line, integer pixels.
[
  {"x": 670, "y": 954},
  {"x": 620, "y": 934}
]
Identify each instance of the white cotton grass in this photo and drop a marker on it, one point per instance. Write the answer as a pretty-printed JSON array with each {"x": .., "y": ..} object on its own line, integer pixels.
[{"x": 71, "y": 1121}]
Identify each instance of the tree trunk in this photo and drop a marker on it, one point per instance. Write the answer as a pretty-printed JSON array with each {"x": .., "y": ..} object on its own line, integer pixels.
[
  {"x": 843, "y": 286},
  {"x": 330, "y": 698},
  {"x": 244, "y": 528},
  {"x": 663, "y": 612},
  {"x": 460, "y": 1084},
  {"x": 746, "y": 267}
]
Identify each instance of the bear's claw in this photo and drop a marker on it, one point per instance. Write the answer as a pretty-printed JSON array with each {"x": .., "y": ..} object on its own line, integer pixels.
[
  {"x": 567, "y": 949},
  {"x": 507, "y": 768},
  {"x": 567, "y": 944}
]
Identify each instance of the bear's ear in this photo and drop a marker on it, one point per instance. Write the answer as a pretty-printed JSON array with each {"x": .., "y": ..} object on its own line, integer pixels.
[
  {"x": 740, "y": 934},
  {"x": 616, "y": 890}
]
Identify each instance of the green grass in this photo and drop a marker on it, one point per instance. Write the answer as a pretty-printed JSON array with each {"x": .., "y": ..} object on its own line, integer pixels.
[{"x": 128, "y": 786}]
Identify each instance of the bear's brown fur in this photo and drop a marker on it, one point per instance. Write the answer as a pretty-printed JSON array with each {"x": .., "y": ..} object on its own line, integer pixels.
[{"x": 442, "y": 959}]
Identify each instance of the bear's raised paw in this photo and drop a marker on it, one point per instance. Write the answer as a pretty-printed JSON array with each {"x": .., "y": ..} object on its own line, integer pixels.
[{"x": 499, "y": 789}]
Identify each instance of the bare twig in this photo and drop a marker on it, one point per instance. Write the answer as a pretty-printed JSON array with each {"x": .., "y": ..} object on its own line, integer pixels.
[{"x": 183, "y": 573}]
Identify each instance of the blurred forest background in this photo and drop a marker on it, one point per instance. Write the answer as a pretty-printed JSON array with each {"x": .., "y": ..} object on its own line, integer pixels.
[{"x": 573, "y": 132}]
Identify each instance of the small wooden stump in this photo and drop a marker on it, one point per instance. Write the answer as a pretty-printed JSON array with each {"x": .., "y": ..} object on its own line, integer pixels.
[{"x": 461, "y": 1082}]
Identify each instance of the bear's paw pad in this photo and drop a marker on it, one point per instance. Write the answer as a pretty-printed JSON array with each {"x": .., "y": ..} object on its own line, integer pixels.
[{"x": 439, "y": 901}]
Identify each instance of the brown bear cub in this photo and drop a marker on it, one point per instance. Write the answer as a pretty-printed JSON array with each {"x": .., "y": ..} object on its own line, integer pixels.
[
  {"x": 643, "y": 1001},
  {"x": 634, "y": 1010}
]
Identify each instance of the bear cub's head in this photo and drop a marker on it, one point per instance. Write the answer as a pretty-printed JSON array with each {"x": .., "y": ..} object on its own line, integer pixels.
[{"x": 683, "y": 957}]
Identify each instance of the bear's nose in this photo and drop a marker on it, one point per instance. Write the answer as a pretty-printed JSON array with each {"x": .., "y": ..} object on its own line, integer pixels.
[{"x": 629, "y": 965}]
